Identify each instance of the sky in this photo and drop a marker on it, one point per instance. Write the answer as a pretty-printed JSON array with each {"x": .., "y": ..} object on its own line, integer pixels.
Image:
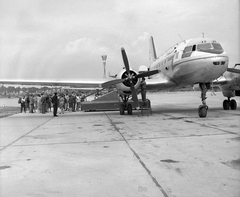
[{"x": 65, "y": 39}]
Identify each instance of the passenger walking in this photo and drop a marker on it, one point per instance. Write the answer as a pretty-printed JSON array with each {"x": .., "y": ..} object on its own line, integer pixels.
[
  {"x": 23, "y": 104},
  {"x": 55, "y": 104},
  {"x": 74, "y": 102},
  {"x": 39, "y": 104},
  {"x": 35, "y": 102},
  {"x": 143, "y": 90},
  {"x": 43, "y": 101},
  {"x": 27, "y": 102},
  {"x": 50, "y": 103},
  {"x": 66, "y": 102},
  {"x": 78, "y": 100},
  {"x": 70, "y": 101},
  {"x": 47, "y": 102},
  {"x": 31, "y": 103},
  {"x": 61, "y": 104},
  {"x": 82, "y": 99}
]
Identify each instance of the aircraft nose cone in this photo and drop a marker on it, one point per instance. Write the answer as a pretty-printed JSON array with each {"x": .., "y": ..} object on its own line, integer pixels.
[
  {"x": 201, "y": 70},
  {"x": 217, "y": 66}
]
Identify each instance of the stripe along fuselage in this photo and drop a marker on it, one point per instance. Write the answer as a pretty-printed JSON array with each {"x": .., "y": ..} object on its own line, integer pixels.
[{"x": 193, "y": 61}]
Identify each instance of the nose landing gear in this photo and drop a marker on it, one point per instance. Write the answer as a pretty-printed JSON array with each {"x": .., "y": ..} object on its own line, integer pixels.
[
  {"x": 202, "y": 109},
  {"x": 125, "y": 105}
]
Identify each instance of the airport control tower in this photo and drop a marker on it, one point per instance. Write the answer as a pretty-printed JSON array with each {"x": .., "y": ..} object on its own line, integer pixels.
[{"x": 104, "y": 58}]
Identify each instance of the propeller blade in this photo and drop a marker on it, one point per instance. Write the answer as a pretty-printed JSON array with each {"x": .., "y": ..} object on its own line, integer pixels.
[
  {"x": 125, "y": 60},
  {"x": 146, "y": 74},
  {"x": 134, "y": 95},
  {"x": 112, "y": 82},
  {"x": 233, "y": 70},
  {"x": 133, "y": 90}
]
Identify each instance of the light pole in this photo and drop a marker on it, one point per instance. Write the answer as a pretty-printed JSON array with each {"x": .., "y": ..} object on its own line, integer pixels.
[{"x": 104, "y": 58}]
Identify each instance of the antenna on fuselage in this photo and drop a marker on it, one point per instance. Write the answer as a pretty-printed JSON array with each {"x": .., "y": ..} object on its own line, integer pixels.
[
  {"x": 203, "y": 34},
  {"x": 181, "y": 38}
]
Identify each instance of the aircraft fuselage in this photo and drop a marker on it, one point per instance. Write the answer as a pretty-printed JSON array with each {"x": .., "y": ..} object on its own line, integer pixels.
[{"x": 198, "y": 60}]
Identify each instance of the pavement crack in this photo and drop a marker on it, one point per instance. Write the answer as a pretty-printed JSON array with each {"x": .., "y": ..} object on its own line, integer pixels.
[
  {"x": 139, "y": 159},
  {"x": 201, "y": 124},
  {"x": 25, "y": 134}
]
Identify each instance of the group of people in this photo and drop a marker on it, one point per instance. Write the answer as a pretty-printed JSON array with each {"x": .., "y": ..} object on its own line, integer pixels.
[{"x": 44, "y": 102}]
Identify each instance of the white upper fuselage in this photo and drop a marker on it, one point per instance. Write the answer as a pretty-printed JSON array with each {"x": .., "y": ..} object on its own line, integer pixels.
[{"x": 198, "y": 60}]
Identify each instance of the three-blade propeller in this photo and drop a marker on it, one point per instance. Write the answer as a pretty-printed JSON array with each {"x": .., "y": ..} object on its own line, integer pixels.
[{"x": 129, "y": 78}]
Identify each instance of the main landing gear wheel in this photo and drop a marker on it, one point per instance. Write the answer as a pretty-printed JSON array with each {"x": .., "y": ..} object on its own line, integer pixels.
[
  {"x": 121, "y": 109},
  {"x": 227, "y": 104},
  {"x": 129, "y": 109},
  {"x": 202, "y": 111},
  {"x": 233, "y": 104}
]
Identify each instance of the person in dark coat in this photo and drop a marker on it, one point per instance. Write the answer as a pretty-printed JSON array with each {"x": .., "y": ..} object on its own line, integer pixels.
[
  {"x": 55, "y": 104},
  {"x": 31, "y": 104},
  {"x": 22, "y": 101},
  {"x": 43, "y": 101},
  {"x": 70, "y": 102},
  {"x": 143, "y": 89},
  {"x": 27, "y": 103},
  {"x": 74, "y": 102}
]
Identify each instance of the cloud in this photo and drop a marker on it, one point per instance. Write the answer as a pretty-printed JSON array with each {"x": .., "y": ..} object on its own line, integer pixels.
[
  {"x": 60, "y": 39},
  {"x": 86, "y": 45}
]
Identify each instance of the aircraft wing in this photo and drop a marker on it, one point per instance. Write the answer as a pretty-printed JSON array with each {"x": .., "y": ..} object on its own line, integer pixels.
[
  {"x": 70, "y": 83},
  {"x": 229, "y": 78},
  {"x": 220, "y": 81},
  {"x": 160, "y": 84},
  {"x": 229, "y": 83}
]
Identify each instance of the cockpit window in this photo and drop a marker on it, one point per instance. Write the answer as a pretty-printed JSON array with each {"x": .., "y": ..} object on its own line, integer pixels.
[
  {"x": 204, "y": 46},
  {"x": 210, "y": 48},
  {"x": 187, "y": 52},
  {"x": 187, "y": 49},
  {"x": 217, "y": 46}
]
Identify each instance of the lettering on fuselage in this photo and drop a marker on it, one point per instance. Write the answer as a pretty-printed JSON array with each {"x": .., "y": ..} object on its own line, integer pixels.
[{"x": 166, "y": 62}]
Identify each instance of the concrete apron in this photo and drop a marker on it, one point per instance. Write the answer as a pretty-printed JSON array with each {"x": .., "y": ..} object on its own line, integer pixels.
[{"x": 172, "y": 153}]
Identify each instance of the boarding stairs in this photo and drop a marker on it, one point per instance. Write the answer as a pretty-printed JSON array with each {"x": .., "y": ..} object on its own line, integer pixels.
[{"x": 111, "y": 102}]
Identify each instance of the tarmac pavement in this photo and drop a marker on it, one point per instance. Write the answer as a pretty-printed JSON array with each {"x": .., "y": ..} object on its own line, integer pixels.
[{"x": 171, "y": 153}]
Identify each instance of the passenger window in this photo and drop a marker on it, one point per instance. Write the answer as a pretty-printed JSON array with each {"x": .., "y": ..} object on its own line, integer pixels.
[{"x": 176, "y": 56}]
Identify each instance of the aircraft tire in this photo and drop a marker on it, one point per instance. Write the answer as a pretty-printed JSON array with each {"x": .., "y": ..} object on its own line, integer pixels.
[
  {"x": 129, "y": 109},
  {"x": 202, "y": 111},
  {"x": 121, "y": 109},
  {"x": 233, "y": 104},
  {"x": 226, "y": 105}
]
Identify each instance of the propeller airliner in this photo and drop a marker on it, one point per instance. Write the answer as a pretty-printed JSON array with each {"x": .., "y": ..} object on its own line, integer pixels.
[{"x": 200, "y": 61}]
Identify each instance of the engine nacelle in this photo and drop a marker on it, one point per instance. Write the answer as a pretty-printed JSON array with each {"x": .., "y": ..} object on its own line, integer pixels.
[
  {"x": 142, "y": 69},
  {"x": 232, "y": 87},
  {"x": 124, "y": 88}
]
